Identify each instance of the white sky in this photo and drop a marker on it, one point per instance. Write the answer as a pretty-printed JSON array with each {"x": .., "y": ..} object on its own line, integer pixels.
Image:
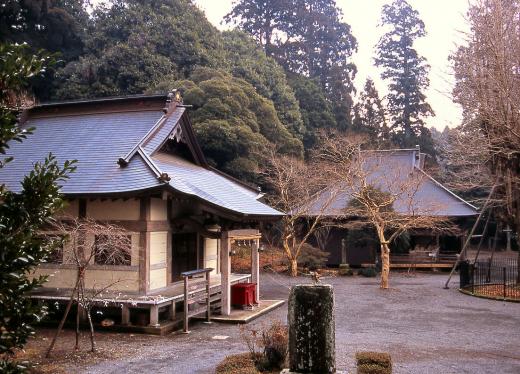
[{"x": 444, "y": 20}]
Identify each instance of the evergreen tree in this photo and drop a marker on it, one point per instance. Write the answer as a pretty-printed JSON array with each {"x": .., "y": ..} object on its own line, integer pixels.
[
  {"x": 307, "y": 37},
  {"x": 53, "y": 25},
  {"x": 316, "y": 110},
  {"x": 233, "y": 122},
  {"x": 407, "y": 73},
  {"x": 370, "y": 114},
  {"x": 245, "y": 59},
  {"x": 22, "y": 215},
  {"x": 261, "y": 19}
]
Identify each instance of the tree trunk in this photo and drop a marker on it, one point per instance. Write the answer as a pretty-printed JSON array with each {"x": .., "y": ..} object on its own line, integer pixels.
[
  {"x": 76, "y": 346},
  {"x": 67, "y": 310},
  {"x": 385, "y": 262},
  {"x": 91, "y": 325},
  {"x": 294, "y": 267},
  {"x": 293, "y": 260}
]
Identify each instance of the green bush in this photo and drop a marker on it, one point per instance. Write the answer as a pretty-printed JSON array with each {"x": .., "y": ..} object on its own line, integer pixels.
[
  {"x": 237, "y": 364},
  {"x": 13, "y": 367},
  {"x": 345, "y": 270},
  {"x": 373, "y": 363},
  {"x": 368, "y": 272}
]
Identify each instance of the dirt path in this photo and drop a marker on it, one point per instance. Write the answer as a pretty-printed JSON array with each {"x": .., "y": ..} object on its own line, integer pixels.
[{"x": 425, "y": 328}]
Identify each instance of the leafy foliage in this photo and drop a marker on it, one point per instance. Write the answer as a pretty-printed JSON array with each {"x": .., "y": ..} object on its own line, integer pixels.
[
  {"x": 17, "y": 67},
  {"x": 407, "y": 73},
  {"x": 233, "y": 122},
  {"x": 241, "y": 97},
  {"x": 245, "y": 59},
  {"x": 133, "y": 44},
  {"x": 23, "y": 215},
  {"x": 57, "y": 26},
  {"x": 316, "y": 111},
  {"x": 308, "y": 38},
  {"x": 370, "y": 115},
  {"x": 45, "y": 24}
]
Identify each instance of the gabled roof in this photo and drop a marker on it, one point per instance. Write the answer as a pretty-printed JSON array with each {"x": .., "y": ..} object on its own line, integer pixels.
[
  {"x": 117, "y": 143},
  {"x": 400, "y": 172}
]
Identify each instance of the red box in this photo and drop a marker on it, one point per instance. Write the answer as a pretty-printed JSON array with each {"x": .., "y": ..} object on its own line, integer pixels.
[{"x": 243, "y": 294}]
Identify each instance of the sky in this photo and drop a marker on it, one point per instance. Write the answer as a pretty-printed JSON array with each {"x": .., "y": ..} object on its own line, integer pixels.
[{"x": 445, "y": 25}]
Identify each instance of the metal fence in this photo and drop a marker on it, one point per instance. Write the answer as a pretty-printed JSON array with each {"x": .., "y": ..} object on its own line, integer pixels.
[{"x": 497, "y": 278}]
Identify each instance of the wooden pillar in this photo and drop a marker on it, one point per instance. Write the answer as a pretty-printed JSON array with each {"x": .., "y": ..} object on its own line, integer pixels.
[
  {"x": 144, "y": 247},
  {"x": 154, "y": 315},
  {"x": 125, "y": 315},
  {"x": 172, "y": 311},
  {"x": 255, "y": 267},
  {"x": 225, "y": 274}
]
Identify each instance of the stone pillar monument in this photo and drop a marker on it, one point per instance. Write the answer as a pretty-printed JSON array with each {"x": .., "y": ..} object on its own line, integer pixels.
[{"x": 311, "y": 329}]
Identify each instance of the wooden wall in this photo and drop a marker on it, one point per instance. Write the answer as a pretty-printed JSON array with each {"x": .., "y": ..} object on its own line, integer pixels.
[
  {"x": 211, "y": 254},
  {"x": 148, "y": 222}
]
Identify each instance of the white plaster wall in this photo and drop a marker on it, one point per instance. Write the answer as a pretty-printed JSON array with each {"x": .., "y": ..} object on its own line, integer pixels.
[
  {"x": 158, "y": 247},
  {"x": 157, "y": 278},
  {"x": 211, "y": 254},
  {"x": 120, "y": 280},
  {"x": 123, "y": 210},
  {"x": 158, "y": 209}
]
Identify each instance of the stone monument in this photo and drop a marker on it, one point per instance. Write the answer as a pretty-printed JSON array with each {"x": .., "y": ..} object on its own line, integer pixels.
[{"x": 311, "y": 329}]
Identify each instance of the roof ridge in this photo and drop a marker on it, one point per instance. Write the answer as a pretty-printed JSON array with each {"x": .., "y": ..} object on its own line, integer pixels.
[
  {"x": 163, "y": 177},
  {"x": 123, "y": 161},
  {"x": 99, "y": 100}
]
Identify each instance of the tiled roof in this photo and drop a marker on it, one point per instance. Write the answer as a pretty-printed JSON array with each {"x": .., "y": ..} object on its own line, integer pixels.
[
  {"x": 400, "y": 173},
  {"x": 99, "y": 140},
  {"x": 96, "y": 141},
  {"x": 198, "y": 181}
]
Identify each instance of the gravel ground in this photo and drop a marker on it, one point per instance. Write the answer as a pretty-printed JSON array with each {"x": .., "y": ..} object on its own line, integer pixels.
[{"x": 425, "y": 328}]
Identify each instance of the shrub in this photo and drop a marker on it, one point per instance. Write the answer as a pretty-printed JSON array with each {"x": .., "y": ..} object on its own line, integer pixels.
[
  {"x": 12, "y": 367},
  {"x": 345, "y": 270},
  {"x": 372, "y": 369},
  {"x": 368, "y": 272},
  {"x": 237, "y": 364},
  {"x": 373, "y": 363},
  {"x": 312, "y": 257},
  {"x": 268, "y": 346},
  {"x": 275, "y": 340}
]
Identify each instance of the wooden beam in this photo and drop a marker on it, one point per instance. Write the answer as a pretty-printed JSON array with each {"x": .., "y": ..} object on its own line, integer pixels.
[
  {"x": 225, "y": 274},
  {"x": 125, "y": 314},
  {"x": 82, "y": 208},
  {"x": 154, "y": 315},
  {"x": 255, "y": 267},
  {"x": 422, "y": 266},
  {"x": 144, "y": 248}
]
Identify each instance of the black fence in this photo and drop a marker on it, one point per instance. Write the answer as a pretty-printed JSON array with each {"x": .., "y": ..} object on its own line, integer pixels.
[{"x": 498, "y": 278}]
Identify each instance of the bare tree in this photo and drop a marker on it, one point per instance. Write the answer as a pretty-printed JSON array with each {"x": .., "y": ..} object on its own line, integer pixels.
[
  {"x": 380, "y": 192},
  {"x": 322, "y": 235},
  {"x": 293, "y": 183},
  {"x": 91, "y": 242},
  {"x": 487, "y": 72}
]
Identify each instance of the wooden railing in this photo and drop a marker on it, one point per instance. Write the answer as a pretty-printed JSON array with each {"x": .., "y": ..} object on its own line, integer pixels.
[
  {"x": 424, "y": 258},
  {"x": 197, "y": 293}
]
